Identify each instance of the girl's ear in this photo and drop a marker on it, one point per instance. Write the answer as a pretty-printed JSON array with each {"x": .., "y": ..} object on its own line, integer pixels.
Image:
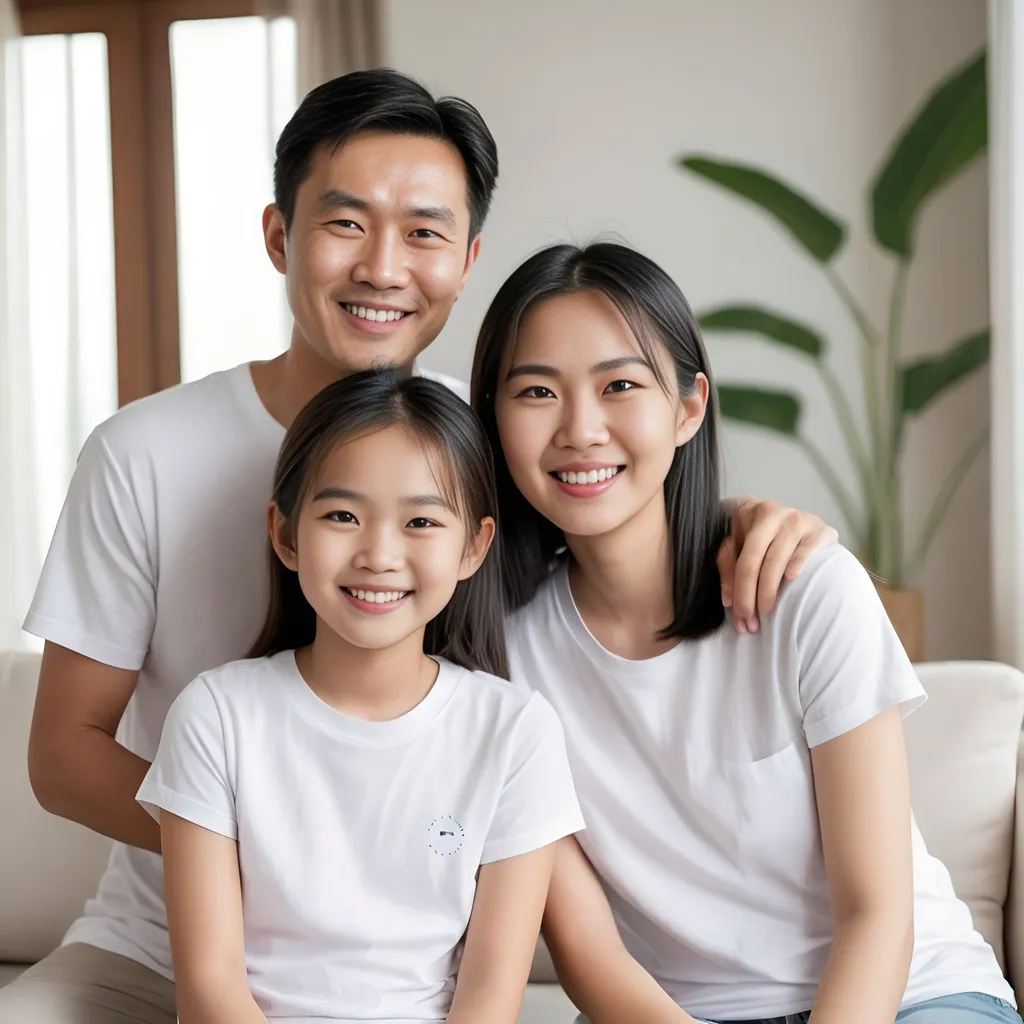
[
  {"x": 478, "y": 548},
  {"x": 692, "y": 408},
  {"x": 281, "y": 537}
]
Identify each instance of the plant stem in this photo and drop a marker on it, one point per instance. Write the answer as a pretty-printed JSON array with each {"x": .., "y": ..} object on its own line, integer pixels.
[
  {"x": 869, "y": 345},
  {"x": 894, "y": 400},
  {"x": 945, "y": 495},
  {"x": 846, "y": 501}
]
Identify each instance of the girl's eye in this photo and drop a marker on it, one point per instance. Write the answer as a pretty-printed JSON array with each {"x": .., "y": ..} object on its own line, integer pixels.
[
  {"x": 536, "y": 391},
  {"x": 341, "y": 517},
  {"x": 618, "y": 386},
  {"x": 420, "y": 523}
]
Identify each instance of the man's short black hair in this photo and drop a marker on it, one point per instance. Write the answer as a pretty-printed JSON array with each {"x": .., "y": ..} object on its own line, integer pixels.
[{"x": 383, "y": 100}]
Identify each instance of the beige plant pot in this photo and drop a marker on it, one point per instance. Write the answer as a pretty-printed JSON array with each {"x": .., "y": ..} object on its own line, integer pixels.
[{"x": 905, "y": 608}]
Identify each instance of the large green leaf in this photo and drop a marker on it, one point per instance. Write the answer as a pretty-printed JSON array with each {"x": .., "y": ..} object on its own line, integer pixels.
[
  {"x": 928, "y": 378},
  {"x": 761, "y": 321},
  {"x": 774, "y": 410},
  {"x": 944, "y": 136},
  {"x": 817, "y": 231}
]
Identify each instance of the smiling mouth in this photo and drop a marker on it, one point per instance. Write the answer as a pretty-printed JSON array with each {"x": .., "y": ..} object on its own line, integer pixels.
[
  {"x": 377, "y": 596},
  {"x": 594, "y": 476},
  {"x": 372, "y": 314}
]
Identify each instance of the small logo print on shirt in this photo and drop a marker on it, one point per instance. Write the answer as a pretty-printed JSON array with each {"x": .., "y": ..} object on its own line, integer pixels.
[{"x": 444, "y": 835}]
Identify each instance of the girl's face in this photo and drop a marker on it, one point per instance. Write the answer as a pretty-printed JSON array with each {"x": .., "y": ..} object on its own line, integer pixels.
[
  {"x": 587, "y": 431},
  {"x": 377, "y": 549}
]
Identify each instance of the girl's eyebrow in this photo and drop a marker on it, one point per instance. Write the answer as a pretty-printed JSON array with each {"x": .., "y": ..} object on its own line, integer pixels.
[
  {"x": 343, "y": 494},
  {"x": 539, "y": 370}
]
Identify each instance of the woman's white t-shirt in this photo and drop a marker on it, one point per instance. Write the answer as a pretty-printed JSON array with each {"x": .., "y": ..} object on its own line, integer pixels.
[
  {"x": 359, "y": 842},
  {"x": 693, "y": 771}
]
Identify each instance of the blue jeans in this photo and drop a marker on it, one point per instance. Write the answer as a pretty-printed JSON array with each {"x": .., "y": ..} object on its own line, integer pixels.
[{"x": 962, "y": 1008}]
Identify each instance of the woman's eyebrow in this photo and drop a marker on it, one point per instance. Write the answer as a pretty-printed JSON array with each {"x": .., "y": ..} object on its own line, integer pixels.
[{"x": 617, "y": 364}]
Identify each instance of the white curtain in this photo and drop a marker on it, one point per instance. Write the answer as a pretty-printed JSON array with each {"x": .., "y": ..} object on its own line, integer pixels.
[
  {"x": 334, "y": 36},
  {"x": 19, "y": 560},
  {"x": 1006, "y": 228}
]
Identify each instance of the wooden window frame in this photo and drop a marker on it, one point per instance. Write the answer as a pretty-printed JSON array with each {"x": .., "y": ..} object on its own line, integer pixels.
[{"x": 142, "y": 164}]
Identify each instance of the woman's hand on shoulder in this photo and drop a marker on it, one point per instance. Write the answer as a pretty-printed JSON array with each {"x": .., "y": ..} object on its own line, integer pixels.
[{"x": 767, "y": 544}]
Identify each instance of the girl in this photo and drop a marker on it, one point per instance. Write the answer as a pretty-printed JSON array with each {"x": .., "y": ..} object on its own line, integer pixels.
[
  {"x": 746, "y": 797},
  {"x": 342, "y": 809}
]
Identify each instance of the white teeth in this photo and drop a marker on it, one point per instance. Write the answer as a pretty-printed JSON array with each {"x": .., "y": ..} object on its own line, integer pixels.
[
  {"x": 378, "y": 596},
  {"x": 373, "y": 315},
  {"x": 595, "y": 476}
]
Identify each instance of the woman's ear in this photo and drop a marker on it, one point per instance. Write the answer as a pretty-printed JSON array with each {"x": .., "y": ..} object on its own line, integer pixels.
[
  {"x": 478, "y": 548},
  {"x": 281, "y": 537},
  {"x": 692, "y": 408}
]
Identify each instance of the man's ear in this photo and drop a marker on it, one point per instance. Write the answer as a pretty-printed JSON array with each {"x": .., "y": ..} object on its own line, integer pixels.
[
  {"x": 281, "y": 537},
  {"x": 472, "y": 253},
  {"x": 692, "y": 408},
  {"x": 478, "y": 548},
  {"x": 275, "y": 237}
]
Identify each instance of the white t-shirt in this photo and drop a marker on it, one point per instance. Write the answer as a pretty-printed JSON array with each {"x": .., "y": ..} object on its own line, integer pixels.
[
  {"x": 158, "y": 563},
  {"x": 359, "y": 842},
  {"x": 693, "y": 771}
]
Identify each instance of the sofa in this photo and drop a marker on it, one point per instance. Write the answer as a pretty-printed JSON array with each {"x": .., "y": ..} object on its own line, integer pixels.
[{"x": 967, "y": 787}]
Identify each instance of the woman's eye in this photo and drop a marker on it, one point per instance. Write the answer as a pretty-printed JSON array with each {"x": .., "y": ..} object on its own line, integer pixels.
[
  {"x": 536, "y": 391},
  {"x": 420, "y": 523},
  {"x": 618, "y": 386},
  {"x": 341, "y": 517}
]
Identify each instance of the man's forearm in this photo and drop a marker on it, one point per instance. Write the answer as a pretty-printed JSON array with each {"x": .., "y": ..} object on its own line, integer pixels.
[
  {"x": 230, "y": 1005},
  {"x": 95, "y": 784}
]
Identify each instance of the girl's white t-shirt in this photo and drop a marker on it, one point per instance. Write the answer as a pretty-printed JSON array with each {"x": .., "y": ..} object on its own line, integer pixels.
[
  {"x": 359, "y": 842},
  {"x": 693, "y": 771}
]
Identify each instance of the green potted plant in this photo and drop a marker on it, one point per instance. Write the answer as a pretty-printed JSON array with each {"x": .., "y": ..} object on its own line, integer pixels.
[{"x": 943, "y": 137}]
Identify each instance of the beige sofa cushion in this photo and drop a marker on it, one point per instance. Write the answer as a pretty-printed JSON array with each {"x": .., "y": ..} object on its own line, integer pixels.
[
  {"x": 49, "y": 867},
  {"x": 963, "y": 747}
]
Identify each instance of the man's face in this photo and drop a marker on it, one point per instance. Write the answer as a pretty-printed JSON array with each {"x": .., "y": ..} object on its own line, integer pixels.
[{"x": 378, "y": 249}]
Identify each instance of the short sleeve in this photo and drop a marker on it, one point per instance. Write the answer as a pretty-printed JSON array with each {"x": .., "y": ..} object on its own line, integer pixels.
[
  {"x": 190, "y": 775},
  {"x": 537, "y": 804},
  {"x": 96, "y": 594},
  {"x": 851, "y": 663}
]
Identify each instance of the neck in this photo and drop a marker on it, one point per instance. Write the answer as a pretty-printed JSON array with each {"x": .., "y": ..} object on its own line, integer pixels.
[
  {"x": 288, "y": 382},
  {"x": 626, "y": 576},
  {"x": 376, "y": 685}
]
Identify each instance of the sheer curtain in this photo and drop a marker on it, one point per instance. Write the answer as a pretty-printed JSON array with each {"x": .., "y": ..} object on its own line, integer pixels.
[
  {"x": 19, "y": 562},
  {"x": 334, "y": 36},
  {"x": 1006, "y": 227}
]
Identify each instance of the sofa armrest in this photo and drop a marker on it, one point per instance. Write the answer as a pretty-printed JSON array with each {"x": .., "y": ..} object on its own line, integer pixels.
[{"x": 1013, "y": 919}]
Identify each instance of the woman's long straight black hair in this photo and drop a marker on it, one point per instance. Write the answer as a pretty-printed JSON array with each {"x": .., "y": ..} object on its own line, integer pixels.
[
  {"x": 470, "y": 631},
  {"x": 658, "y": 314}
]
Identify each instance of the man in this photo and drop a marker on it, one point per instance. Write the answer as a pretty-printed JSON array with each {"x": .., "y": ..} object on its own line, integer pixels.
[{"x": 155, "y": 572}]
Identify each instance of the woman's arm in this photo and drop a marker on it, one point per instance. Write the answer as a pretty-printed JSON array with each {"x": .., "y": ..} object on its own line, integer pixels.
[
  {"x": 863, "y": 794},
  {"x": 501, "y": 939},
  {"x": 204, "y": 914},
  {"x": 595, "y": 968}
]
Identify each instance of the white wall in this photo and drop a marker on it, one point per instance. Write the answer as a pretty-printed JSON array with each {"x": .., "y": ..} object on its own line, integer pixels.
[{"x": 591, "y": 99}]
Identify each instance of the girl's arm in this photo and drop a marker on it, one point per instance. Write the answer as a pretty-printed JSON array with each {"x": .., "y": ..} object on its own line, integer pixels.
[
  {"x": 863, "y": 794},
  {"x": 204, "y": 914},
  {"x": 501, "y": 939},
  {"x": 595, "y": 968}
]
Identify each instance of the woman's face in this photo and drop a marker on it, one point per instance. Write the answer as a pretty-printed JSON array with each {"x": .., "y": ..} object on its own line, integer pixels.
[{"x": 588, "y": 432}]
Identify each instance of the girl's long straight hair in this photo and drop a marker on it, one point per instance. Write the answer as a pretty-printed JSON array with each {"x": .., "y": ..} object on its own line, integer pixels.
[
  {"x": 658, "y": 315},
  {"x": 470, "y": 631}
]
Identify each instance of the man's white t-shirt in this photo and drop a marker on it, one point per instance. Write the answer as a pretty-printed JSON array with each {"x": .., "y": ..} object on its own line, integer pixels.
[
  {"x": 159, "y": 563},
  {"x": 693, "y": 771},
  {"x": 359, "y": 842}
]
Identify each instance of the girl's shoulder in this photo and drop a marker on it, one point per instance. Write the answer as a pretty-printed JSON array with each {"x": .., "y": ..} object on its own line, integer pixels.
[{"x": 243, "y": 682}]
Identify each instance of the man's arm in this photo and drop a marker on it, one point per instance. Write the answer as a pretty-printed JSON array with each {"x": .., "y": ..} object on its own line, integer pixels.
[
  {"x": 595, "y": 968},
  {"x": 76, "y": 767},
  {"x": 501, "y": 939}
]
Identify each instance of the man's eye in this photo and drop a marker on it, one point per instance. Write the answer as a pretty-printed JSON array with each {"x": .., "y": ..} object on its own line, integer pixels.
[
  {"x": 425, "y": 233},
  {"x": 341, "y": 517},
  {"x": 618, "y": 386},
  {"x": 346, "y": 224},
  {"x": 536, "y": 391},
  {"x": 421, "y": 522}
]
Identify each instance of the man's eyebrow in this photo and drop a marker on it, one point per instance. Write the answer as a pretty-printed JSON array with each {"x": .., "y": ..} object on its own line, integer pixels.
[
  {"x": 335, "y": 198},
  {"x": 344, "y": 494},
  {"x": 440, "y": 213}
]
